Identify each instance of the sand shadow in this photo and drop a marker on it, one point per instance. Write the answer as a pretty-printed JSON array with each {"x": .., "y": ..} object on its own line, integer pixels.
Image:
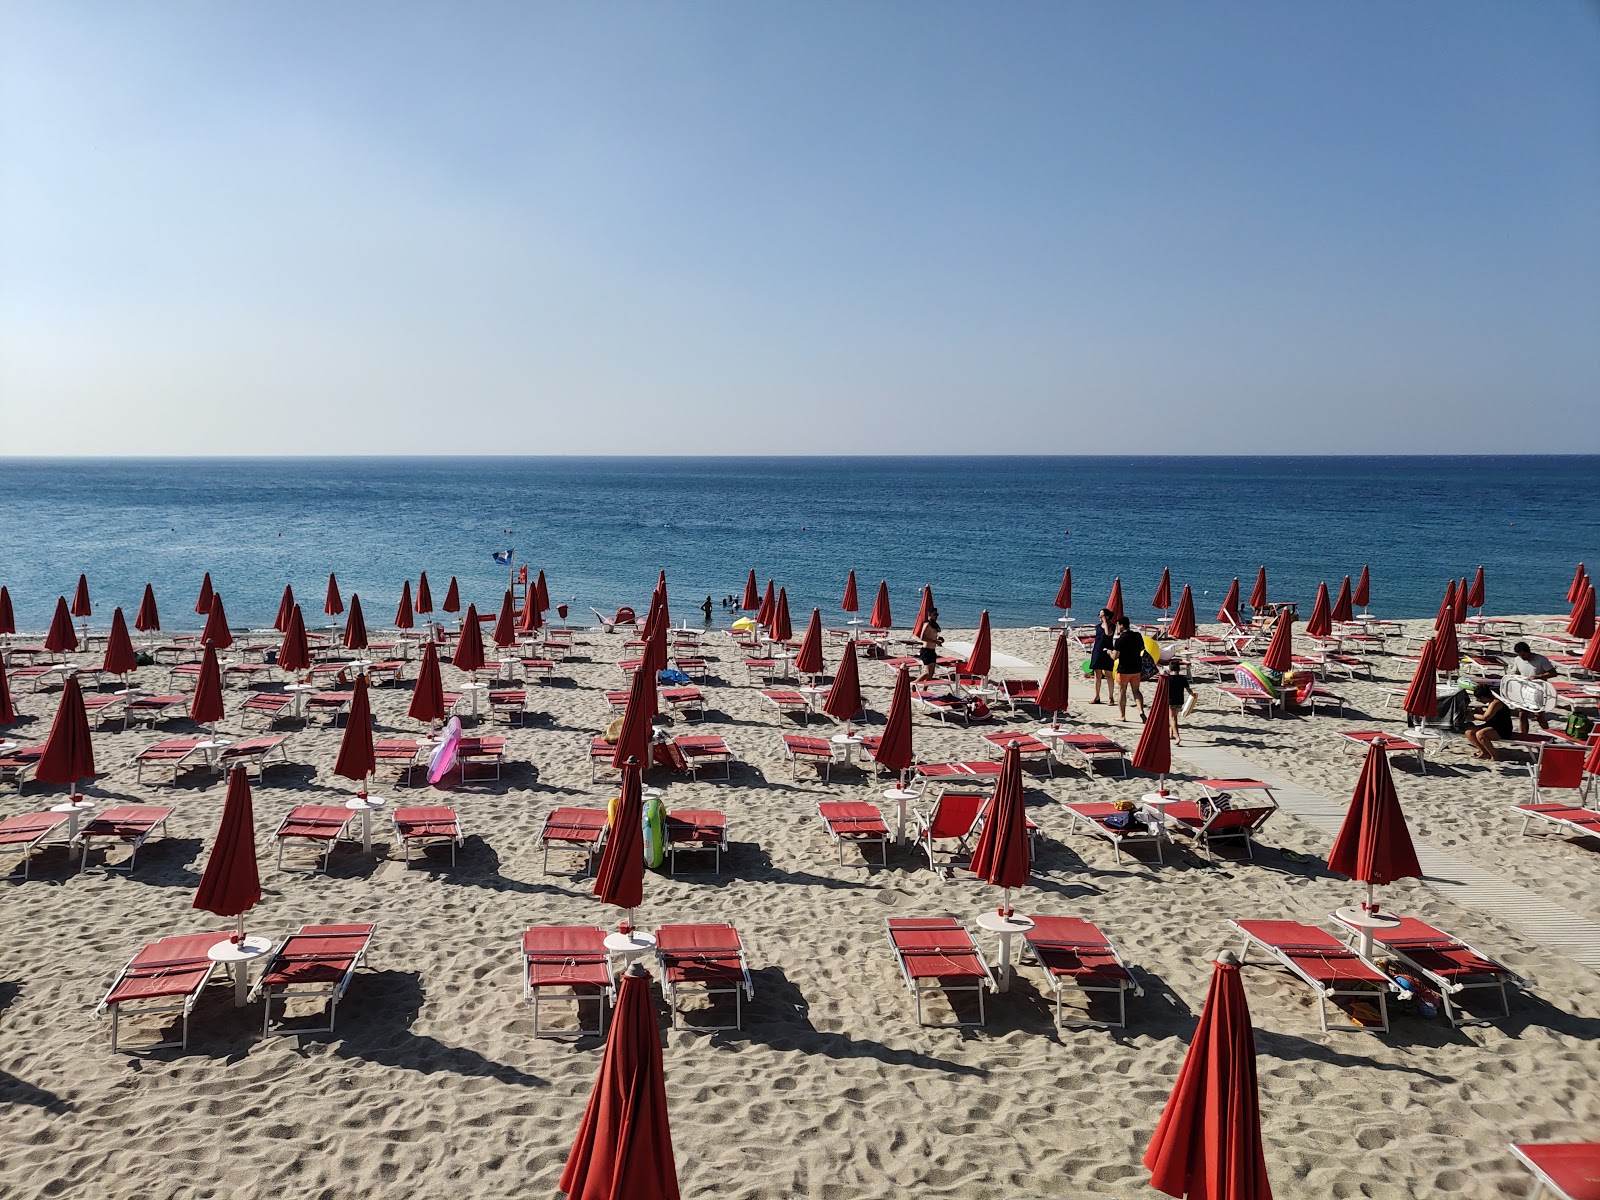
[
  {"x": 20, "y": 1091},
  {"x": 478, "y": 865},
  {"x": 162, "y": 862},
  {"x": 1291, "y": 1047},
  {"x": 10, "y": 989}
]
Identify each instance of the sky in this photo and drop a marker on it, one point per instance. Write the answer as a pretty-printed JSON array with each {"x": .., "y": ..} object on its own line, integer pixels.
[{"x": 820, "y": 228}]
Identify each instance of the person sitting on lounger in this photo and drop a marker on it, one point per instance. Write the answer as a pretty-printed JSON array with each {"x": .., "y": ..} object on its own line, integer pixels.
[{"x": 1491, "y": 721}]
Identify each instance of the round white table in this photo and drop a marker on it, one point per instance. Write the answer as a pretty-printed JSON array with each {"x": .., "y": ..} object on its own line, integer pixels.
[
  {"x": 237, "y": 957},
  {"x": 366, "y": 806},
  {"x": 475, "y": 690},
  {"x": 630, "y": 946},
  {"x": 1366, "y": 924},
  {"x": 1005, "y": 928},
  {"x": 847, "y": 744},
  {"x": 74, "y": 810},
  {"x": 6, "y": 747},
  {"x": 299, "y": 691},
  {"x": 213, "y": 748},
  {"x": 901, "y": 797}
]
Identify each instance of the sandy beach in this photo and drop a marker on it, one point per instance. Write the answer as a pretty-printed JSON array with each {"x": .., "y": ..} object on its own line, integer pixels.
[{"x": 433, "y": 1082}]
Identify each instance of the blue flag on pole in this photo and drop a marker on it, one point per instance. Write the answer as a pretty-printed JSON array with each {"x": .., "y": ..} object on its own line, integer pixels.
[{"x": 502, "y": 557}]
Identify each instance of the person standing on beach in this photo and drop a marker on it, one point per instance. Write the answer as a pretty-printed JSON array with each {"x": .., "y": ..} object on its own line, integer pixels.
[
  {"x": 1105, "y": 637},
  {"x": 1178, "y": 687},
  {"x": 706, "y": 608},
  {"x": 931, "y": 640},
  {"x": 1130, "y": 666}
]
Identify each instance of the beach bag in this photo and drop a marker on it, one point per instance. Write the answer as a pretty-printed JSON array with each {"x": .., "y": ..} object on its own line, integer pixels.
[
  {"x": 1578, "y": 725},
  {"x": 671, "y": 676},
  {"x": 668, "y": 755},
  {"x": 1210, "y": 806},
  {"x": 979, "y": 710}
]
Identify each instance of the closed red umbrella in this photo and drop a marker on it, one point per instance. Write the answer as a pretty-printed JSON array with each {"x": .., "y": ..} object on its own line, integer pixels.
[
  {"x": 619, "y": 878},
  {"x": 880, "y": 618},
  {"x": 924, "y": 610},
  {"x": 1591, "y": 654},
  {"x": 355, "y": 626},
  {"x": 1183, "y": 626},
  {"x": 1461, "y": 600},
  {"x": 294, "y": 654},
  {"x": 205, "y": 706},
  {"x": 216, "y": 632},
  {"x": 285, "y": 607},
  {"x": 469, "y": 646},
  {"x": 68, "y": 755},
  {"x": 1320, "y": 623},
  {"x": 1373, "y": 845},
  {"x": 61, "y": 638},
  {"x": 532, "y": 618},
  {"x": 1591, "y": 762},
  {"x": 623, "y": 1150},
  {"x": 231, "y": 884},
  {"x": 541, "y": 593},
  {"x": 403, "y": 616},
  {"x": 978, "y": 661},
  {"x": 1154, "y": 751},
  {"x": 202, "y": 604},
  {"x": 1475, "y": 590},
  {"x": 1580, "y": 579},
  {"x": 427, "y": 696},
  {"x": 357, "y": 760},
  {"x": 769, "y": 605},
  {"x": 1229, "y": 612},
  {"x": 120, "y": 658},
  {"x": 1064, "y": 592},
  {"x": 452, "y": 597},
  {"x": 1581, "y": 623},
  {"x": 1448, "y": 651},
  {"x": 505, "y": 626},
  {"x": 1280, "y": 650},
  {"x": 8, "y": 619},
  {"x": 1114, "y": 600},
  {"x": 332, "y": 604},
  {"x": 808, "y": 660},
  {"x": 782, "y": 630},
  {"x": 80, "y": 598},
  {"x": 751, "y": 601},
  {"x": 1000, "y": 857},
  {"x": 894, "y": 749},
  {"x": 844, "y": 701},
  {"x": 424, "y": 596},
  {"x": 851, "y": 602},
  {"x": 1054, "y": 687},
  {"x": 1343, "y": 610},
  {"x": 638, "y": 721},
  {"x": 8, "y": 712},
  {"x": 147, "y": 619},
  {"x": 1363, "y": 593},
  {"x": 1207, "y": 1144},
  {"x": 1447, "y": 606},
  {"x": 1258, "y": 593},
  {"x": 1422, "y": 697},
  {"x": 1163, "y": 597},
  {"x": 655, "y": 647}
]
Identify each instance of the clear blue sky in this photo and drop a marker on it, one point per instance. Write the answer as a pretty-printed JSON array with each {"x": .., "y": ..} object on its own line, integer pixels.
[{"x": 813, "y": 228}]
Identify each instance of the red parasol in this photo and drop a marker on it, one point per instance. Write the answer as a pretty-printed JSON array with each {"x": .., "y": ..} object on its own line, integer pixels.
[
  {"x": 452, "y": 597},
  {"x": 147, "y": 619},
  {"x": 1422, "y": 697},
  {"x": 619, "y": 878},
  {"x": 978, "y": 661},
  {"x": 355, "y": 626},
  {"x": 216, "y": 632},
  {"x": 661, "y": 593},
  {"x": 1280, "y": 650},
  {"x": 655, "y": 647},
  {"x": 1000, "y": 857},
  {"x": 782, "y": 630},
  {"x": 1258, "y": 593},
  {"x": 120, "y": 658},
  {"x": 769, "y": 603},
  {"x": 1320, "y": 623},
  {"x": 751, "y": 601},
  {"x": 1581, "y": 623},
  {"x": 1591, "y": 655},
  {"x": 80, "y": 598},
  {"x": 1447, "y": 652},
  {"x": 469, "y": 646},
  {"x": 68, "y": 755},
  {"x": 357, "y": 760},
  {"x": 638, "y": 720},
  {"x": 532, "y": 618},
  {"x": 1374, "y": 845},
  {"x": 505, "y": 626},
  {"x": 1064, "y": 592},
  {"x": 8, "y": 711},
  {"x": 403, "y": 616},
  {"x": 1207, "y": 1144},
  {"x": 1154, "y": 751},
  {"x": 1163, "y": 598},
  {"x": 808, "y": 660},
  {"x": 231, "y": 884},
  {"x": 424, "y": 596},
  {"x": 1363, "y": 592},
  {"x": 623, "y": 1150},
  {"x": 294, "y": 654},
  {"x": 1580, "y": 579},
  {"x": 285, "y": 607},
  {"x": 332, "y": 604},
  {"x": 844, "y": 701},
  {"x": 1343, "y": 610},
  {"x": 924, "y": 611},
  {"x": 1229, "y": 612},
  {"x": 1183, "y": 625},
  {"x": 8, "y": 619},
  {"x": 894, "y": 748},
  {"x": 1461, "y": 600},
  {"x": 205, "y": 706},
  {"x": 1475, "y": 591},
  {"x": 61, "y": 637},
  {"x": 203, "y": 604},
  {"x": 1447, "y": 607},
  {"x": 427, "y": 697},
  {"x": 851, "y": 602},
  {"x": 1114, "y": 600},
  {"x": 1053, "y": 689},
  {"x": 541, "y": 593},
  {"x": 880, "y": 618}
]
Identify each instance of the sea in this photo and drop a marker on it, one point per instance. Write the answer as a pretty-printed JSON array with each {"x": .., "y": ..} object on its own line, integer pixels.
[{"x": 985, "y": 533}]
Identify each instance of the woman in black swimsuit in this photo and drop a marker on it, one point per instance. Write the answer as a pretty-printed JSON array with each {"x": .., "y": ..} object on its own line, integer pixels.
[
  {"x": 931, "y": 641},
  {"x": 1493, "y": 721}
]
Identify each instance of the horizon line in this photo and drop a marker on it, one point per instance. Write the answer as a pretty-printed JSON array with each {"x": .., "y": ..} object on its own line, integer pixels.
[{"x": 5, "y": 458}]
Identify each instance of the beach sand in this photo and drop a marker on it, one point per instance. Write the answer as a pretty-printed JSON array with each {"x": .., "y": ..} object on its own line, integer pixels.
[{"x": 434, "y": 1084}]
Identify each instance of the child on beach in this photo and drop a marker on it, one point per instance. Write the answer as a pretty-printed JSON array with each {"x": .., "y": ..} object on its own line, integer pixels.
[{"x": 1178, "y": 687}]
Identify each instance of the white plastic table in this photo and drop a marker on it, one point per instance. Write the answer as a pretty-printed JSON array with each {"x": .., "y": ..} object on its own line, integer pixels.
[
  {"x": 1366, "y": 924},
  {"x": 7, "y": 747},
  {"x": 1051, "y": 735},
  {"x": 508, "y": 666},
  {"x": 630, "y": 946},
  {"x": 73, "y": 811},
  {"x": 1005, "y": 928},
  {"x": 901, "y": 797},
  {"x": 237, "y": 957},
  {"x": 476, "y": 690},
  {"x": 213, "y": 749},
  {"x": 846, "y": 743},
  {"x": 366, "y": 806},
  {"x": 299, "y": 692}
]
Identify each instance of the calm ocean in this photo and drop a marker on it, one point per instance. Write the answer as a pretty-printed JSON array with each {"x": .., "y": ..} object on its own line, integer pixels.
[{"x": 989, "y": 533}]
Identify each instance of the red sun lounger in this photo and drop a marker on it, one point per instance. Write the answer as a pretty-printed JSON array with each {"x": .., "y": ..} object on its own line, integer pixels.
[
  {"x": 1322, "y": 962},
  {"x": 1562, "y": 1170},
  {"x": 938, "y": 954},
  {"x": 167, "y": 976},
  {"x": 152, "y": 710},
  {"x": 1237, "y": 822},
  {"x": 704, "y": 960},
  {"x": 29, "y": 831},
  {"x": 700, "y": 750},
  {"x": 853, "y": 821},
  {"x": 818, "y": 751},
  {"x": 1074, "y": 953},
  {"x": 481, "y": 755},
  {"x": 428, "y": 825},
  {"x": 574, "y": 829},
  {"x": 696, "y": 829},
  {"x": 16, "y": 765},
  {"x": 254, "y": 752},
  {"x": 1030, "y": 747},
  {"x": 173, "y": 754},
  {"x": 1567, "y": 817},
  {"x": 268, "y": 707},
  {"x": 1096, "y": 818},
  {"x": 1094, "y": 749},
  {"x": 1448, "y": 963},
  {"x": 317, "y": 962},
  {"x": 322, "y": 825},
  {"x": 133, "y": 824},
  {"x": 788, "y": 702},
  {"x": 573, "y": 960},
  {"x": 408, "y": 752},
  {"x": 688, "y": 702},
  {"x": 1392, "y": 744}
]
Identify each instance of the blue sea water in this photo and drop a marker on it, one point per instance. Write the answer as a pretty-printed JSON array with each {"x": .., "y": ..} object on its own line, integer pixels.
[{"x": 989, "y": 533}]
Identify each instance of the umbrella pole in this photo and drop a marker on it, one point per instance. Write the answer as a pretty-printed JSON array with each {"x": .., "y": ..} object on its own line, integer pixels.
[
  {"x": 1368, "y": 905},
  {"x": 241, "y": 929}
]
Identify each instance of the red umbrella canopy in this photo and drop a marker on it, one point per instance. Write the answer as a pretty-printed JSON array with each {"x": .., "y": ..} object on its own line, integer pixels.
[
  {"x": 1064, "y": 592},
  {"x": 782, "y": 630},
  {"x": 452, "y": 597},
  {"x": 1363, "y": 592},
  {"x": 1448, "y": 651},
  {"x": 1207, "y": 1144},
  {"x": 8, "y": 619},
  {"x": 1343, "y": 610},
  {"x": 231, "y": 885},
  {"x": 1053, "y": 688},
  {"x": 469, "y": 646},
  {"x": 1591, "y": 654},
  {"x": 844, "y": 701},
  {"x": 424, "y": 595},
  {"x": 202, "y": 605},
  {"x": 356, "y": 758},
  {"x": 851, "y": 602},
  {"x": 80, "y": 598},
  {"x": 655, "y": 647},
  {"x": 659, "y": 596},
  {"x": 531, "y": 618},
  {"x": 205, "y": 706},
  {"x": 1000, "y": 857},
  {"x": 295, "y": 652},
  {"x": 285, "y": 607},
  {"x": 403, "y": 618},
  {"x": 619, "y": 879},
  {"x": 978, "y": 662},
  {"x": 1258, "y": 593},
  {"x": 119, "y": 658},
  {"x": 1280, "y": 650},
  {"x": 68, "y": 755},
  {"x": 1447, "y": 606},
  {"x": 751, "y": 601},
  {"x": 427, "y": 696},
  {"x": 355, "y": 626},
  {"x": 1475, "y": 590},
  {"x": 623, "y": 1150},
  {"x": 8, "y": 712},
  {"x": 1422, "y": 697},
  {"x": 147, "y": 619},
  {"x": 894, "y": 750},
  {"x": 505, "y": 626},
  {"x": 633, "y": 741},
  {"x": 1461, "y": 600},
  {"x": 1580, "y": 579},
  {"x": 216, "y": 632},
  {"x": 808, "y": 661},
  {"x": 881, "y": 618},
  {"x": 1374, "y": 845},
  {"x": 1320, "y": 622},
  {"x": 1229, "y": 611},
  {"x": 1163, "y": 597},
  {"x": 1581, "y": 623},
  {"x": 61, "y": 637},
  {"x": 1183, "y": 625},
  {"x": 769, "y": 602},
  {"x": 332, "y": 604},
  {"x": 541, "y": 593},
  {"x": 1154, "y": 751},
  {"x": 1114, "y": 600},
  {"x": 924, "y": 610}
]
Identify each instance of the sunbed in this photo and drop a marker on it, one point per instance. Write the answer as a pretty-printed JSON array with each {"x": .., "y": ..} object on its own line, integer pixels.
[
  {"x": 764, "y": 670},
  {"x": 700, "y": 750},
  {"x": 510, "y": 703},
  {"x": 1326, "y": 965},
  {"x": 691, "y": 829},
  {"x": 1029, "y": 747},
  {"x": 100, "y": 708},
  {"x": 1236, "y": 822},
  {"x": 693, "y": 667},
  {"x": 1074, "y": 953},
  {"x": 687, "y": 702},
  {"x": 1015, "y": 693},
  {"x": 601, "y": 752},
  {"x": 1558, "y": 768},
  {"x": 172, "y": 754},
  {"x": 317, "y": 962},
  {"x": 1585, "y": 822},
  {"x": 1392, "y": 744},
  {"x": 944, "y": 706},
  {"x": 953, "y": 818},
  {"x": 938, "y": 954},
  {"x": 582, "y": 829},
  {"x": 572, "y": 958},
  {"x": 1561, "y": 1170},
  {"x": 254, "y": 752},
  {"x": 481, "y": 754},
  {"x": 788, "y": 702},
  {"x": 29, "y": 830},
  {"x": 1448, "y": 963},
  {"x": 1094, "y": 749},
  {"x": 704, "y": 960},
  {"x": 152, "y": 710},
  {"x": 133, "y": 824},
  {"x": 408, "y": 752},
  {"x": 322, "y": 825},
  {"x": 1098, "y": 817},
  {"x": 818, "y": 751},
  {"x": 268, "y": 707},
  {"x": 332, "y": 705},
  {"x": 853, "y": 821},
  {"x": 427, "y": 825},
  {"x": 1248, "y": 696},
  {"x": 17, "y": 765},
  {"x": 167, "y": 976}
]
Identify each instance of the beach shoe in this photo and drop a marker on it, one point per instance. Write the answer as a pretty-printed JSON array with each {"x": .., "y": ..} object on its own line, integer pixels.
[{"x": 1364, "y": 1014}]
